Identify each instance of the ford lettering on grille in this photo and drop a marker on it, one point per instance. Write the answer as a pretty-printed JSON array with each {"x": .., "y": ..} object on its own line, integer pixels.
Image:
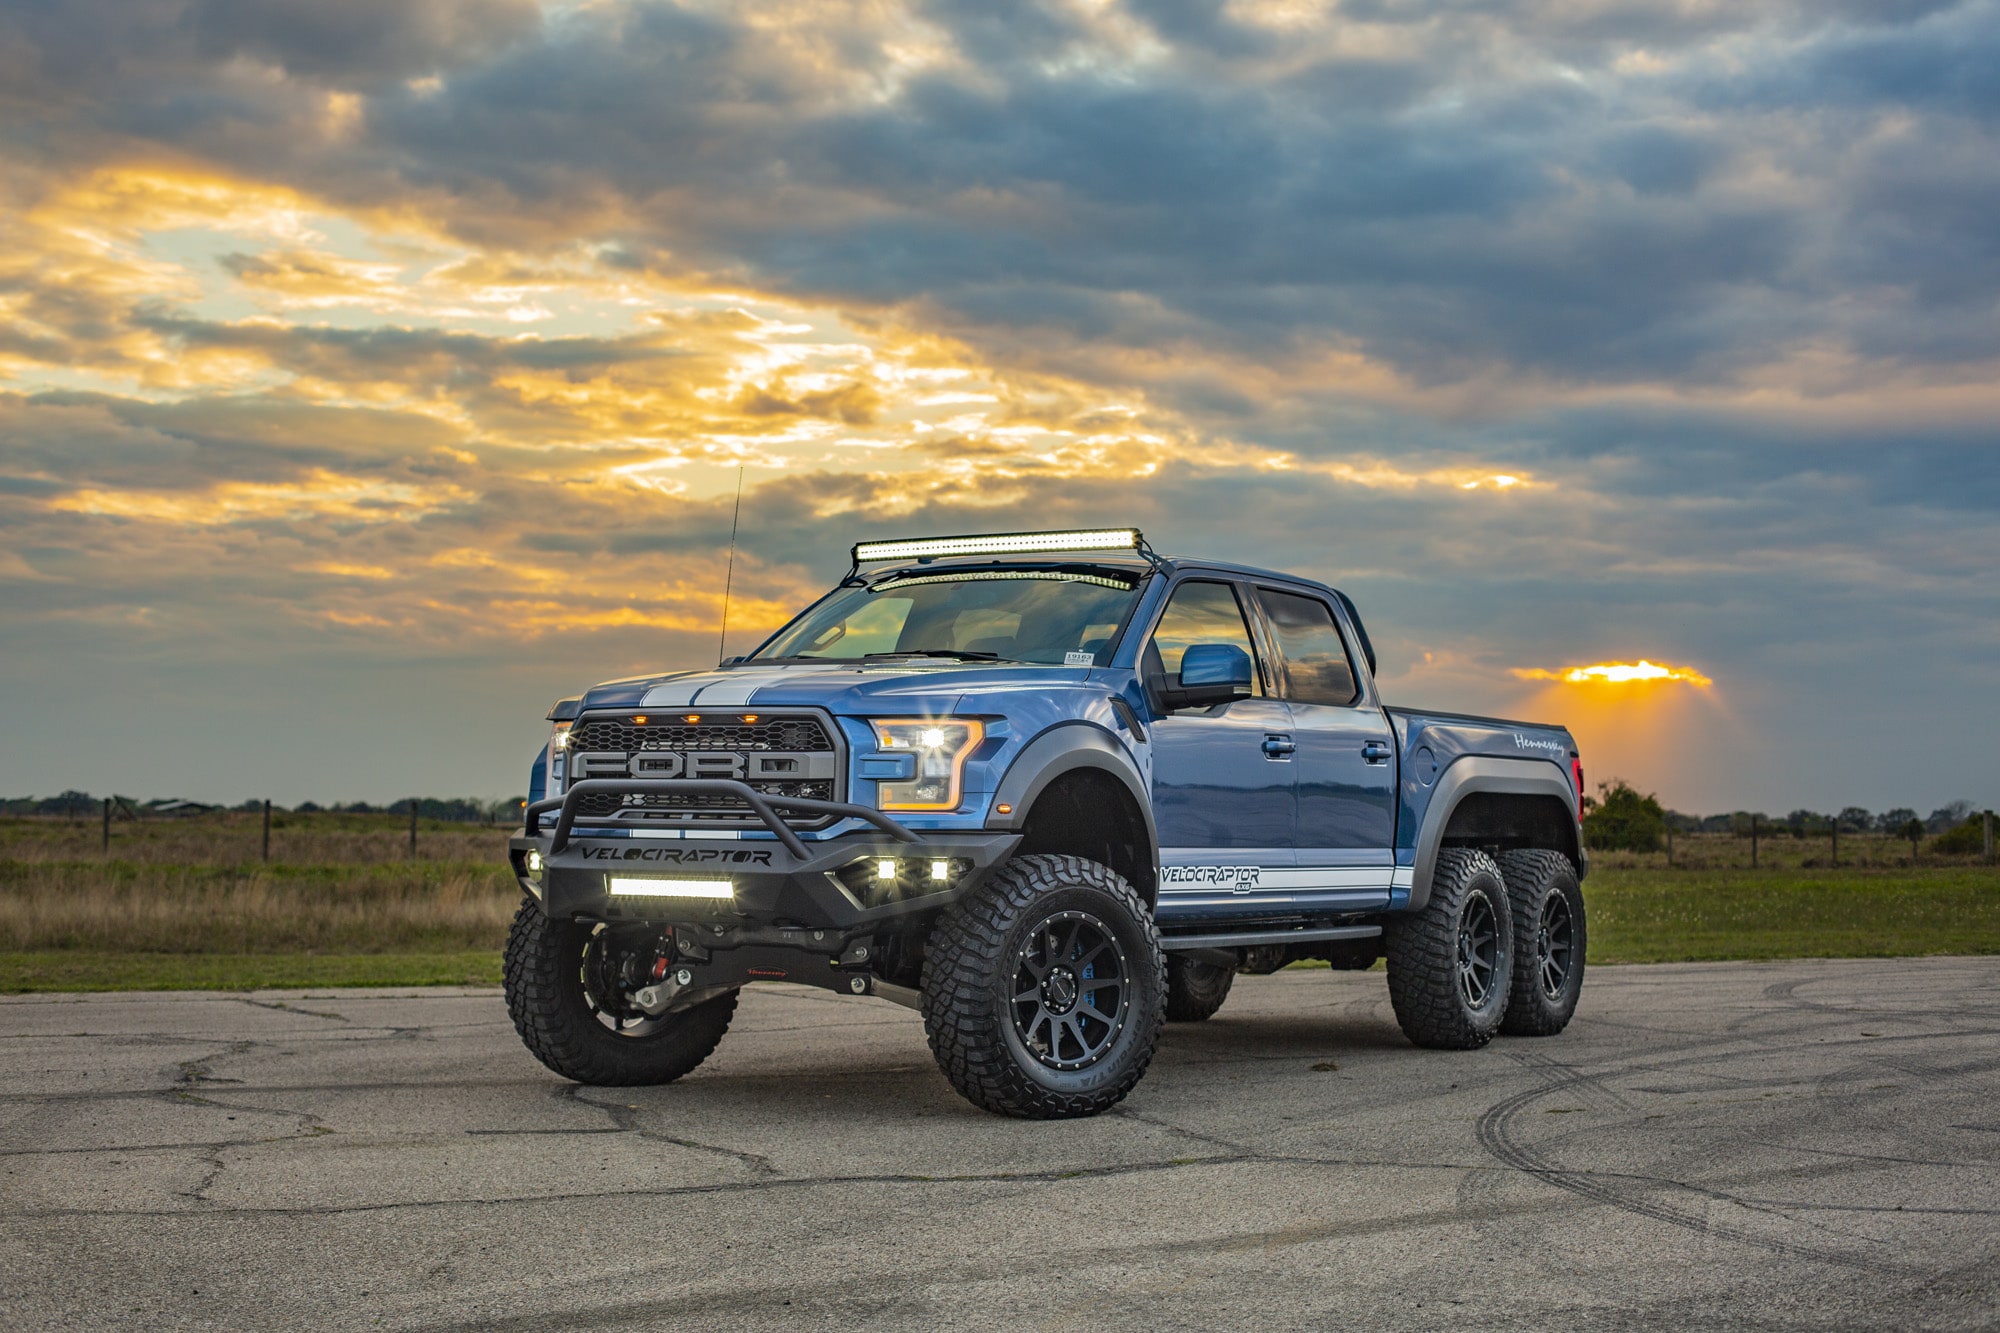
[{"x": 778, "y": 756}]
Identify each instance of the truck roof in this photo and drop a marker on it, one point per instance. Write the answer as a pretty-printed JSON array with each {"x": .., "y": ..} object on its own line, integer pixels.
[{"x": 1114, "y": 560}]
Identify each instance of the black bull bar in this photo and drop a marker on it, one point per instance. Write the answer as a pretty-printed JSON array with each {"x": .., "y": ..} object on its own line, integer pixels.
[{"x": 764, "y": 806}]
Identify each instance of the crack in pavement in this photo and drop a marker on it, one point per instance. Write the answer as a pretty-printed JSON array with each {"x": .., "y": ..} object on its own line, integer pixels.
[{"x": 625, "y": 1118}]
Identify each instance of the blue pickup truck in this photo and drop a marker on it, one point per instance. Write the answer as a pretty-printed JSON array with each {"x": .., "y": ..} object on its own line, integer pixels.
[{"x": 1052, "y": 790}]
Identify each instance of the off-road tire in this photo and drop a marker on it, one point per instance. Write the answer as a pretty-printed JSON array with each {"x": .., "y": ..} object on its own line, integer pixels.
[
  {"x": 969, "y": 989},
  {"x": 1532, "y": 877},
  {"x": 1424, "y": 952},
  {"x": 1195, "y": 990},
  {"x": 542, "y": 974}
]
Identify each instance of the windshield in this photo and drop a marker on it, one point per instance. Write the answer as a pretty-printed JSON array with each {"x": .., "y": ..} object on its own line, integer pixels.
[{"x": 1017, "y": 615}]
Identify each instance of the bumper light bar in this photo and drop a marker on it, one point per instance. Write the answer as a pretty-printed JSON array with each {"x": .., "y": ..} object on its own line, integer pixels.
[
  {"x": 1001, "y": 543},
  {"x": 637, "y": 886}
]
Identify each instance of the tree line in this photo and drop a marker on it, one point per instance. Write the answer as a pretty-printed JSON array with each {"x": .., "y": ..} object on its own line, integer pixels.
[
  {"x": 454, "y": 810},
  {"x": 1622, "y": 818}
]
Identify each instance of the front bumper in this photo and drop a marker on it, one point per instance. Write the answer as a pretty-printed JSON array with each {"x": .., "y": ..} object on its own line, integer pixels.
[{"x": 786, "y": 881}]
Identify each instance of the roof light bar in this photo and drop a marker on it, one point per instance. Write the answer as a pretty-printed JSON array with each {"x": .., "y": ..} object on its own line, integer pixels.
[{"x": 1002, "y": 543}]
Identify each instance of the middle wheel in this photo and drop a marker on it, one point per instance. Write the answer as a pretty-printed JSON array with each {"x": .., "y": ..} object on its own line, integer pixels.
[
  {"x": 1044, "y": 989},
  {"x": 1195, "y": 990}
]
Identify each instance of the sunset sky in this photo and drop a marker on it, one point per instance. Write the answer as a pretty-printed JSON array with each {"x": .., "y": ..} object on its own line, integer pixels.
[{"x": 373, "y": 372}]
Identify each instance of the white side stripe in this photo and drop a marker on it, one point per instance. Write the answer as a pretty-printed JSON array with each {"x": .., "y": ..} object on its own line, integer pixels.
[{"x": 1264, "y": 879}]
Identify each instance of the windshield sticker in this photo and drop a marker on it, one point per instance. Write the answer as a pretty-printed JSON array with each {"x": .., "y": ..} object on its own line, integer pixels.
[{"x": 1079, "y": 659}]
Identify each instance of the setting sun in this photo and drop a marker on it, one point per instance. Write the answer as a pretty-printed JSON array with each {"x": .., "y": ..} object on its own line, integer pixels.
[{"x": 1617, "y": 673}]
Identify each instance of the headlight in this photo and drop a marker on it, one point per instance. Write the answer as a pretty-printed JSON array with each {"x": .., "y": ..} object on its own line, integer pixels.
[
  {"x": 558, "y": 774},
  {"x": 941, "y": 746}
]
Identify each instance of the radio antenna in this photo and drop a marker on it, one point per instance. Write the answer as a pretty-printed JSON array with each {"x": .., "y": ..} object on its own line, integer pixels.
[{"x": 729, "y": 572}]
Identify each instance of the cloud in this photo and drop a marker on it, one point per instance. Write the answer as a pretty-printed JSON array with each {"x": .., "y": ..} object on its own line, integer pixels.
[{"x": 431, "y": 337}]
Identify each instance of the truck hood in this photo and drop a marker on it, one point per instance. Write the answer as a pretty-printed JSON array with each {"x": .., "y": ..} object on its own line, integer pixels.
[{"x": 837, "y": 687}]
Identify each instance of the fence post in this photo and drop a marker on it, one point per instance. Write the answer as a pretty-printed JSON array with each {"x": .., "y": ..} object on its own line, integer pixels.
[
  {"x": 107, "y": 827},
  {"x": 413, "y": 828},
  {"x": 1989, "y": 837},
  {"x": 267, "y": 828},
  {"x": 1753, "y": 842},
  {"x": 1834, "y": 824}
]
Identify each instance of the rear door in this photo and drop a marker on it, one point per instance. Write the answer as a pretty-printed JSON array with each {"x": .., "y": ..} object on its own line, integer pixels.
[
  {"x": 1222, "y": 776},
  {"x": 1345, "y": 765}
]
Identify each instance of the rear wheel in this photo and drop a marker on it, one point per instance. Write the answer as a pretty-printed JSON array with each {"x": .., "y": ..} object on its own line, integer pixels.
[
  {"x": 568, "y": 987},
  {"x": 1451, "y": 964},
  {"x": 1044, "y": 989},
  {"x": 1195, "y": 990},
  {"x": 1549, "y": 940}
]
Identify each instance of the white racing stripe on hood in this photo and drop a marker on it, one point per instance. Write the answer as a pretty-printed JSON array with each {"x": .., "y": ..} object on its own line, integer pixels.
[
  {"x": 678, "y": 693},
  {"x": 737, "y": 687},
  {"x": 721, "y": 689}
]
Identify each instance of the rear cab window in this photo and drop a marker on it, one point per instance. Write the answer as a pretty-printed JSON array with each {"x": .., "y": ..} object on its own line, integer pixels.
[{"x": 1316, "y": 668}]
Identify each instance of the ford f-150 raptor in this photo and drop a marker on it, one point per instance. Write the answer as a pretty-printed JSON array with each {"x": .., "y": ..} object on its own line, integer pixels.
[{"x": 1052, "y": 790}]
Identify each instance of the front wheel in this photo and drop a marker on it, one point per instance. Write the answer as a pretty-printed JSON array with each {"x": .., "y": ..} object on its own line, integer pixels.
[
  {"x": 568, "y": 985},
  {"x": 1451, "y": 964},
  {"x": 1044, "y": 989}
]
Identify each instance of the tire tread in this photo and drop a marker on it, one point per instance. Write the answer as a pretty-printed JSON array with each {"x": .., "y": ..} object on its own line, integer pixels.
[
  {"x": 960, "y": 1019},
  {"x": 538, "y": 965},
  {"x": 1422, "y": 949}
]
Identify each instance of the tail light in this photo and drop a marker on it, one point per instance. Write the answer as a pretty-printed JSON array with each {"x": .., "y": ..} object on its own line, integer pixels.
[{"x": 1576, "y": 774}]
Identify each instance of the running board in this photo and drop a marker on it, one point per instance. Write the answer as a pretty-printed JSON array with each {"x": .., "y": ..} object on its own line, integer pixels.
[{"x": 1310, "y": 934}]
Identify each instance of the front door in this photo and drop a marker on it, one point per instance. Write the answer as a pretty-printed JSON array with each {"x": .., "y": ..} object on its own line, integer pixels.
[
  {"x": 1344, "y": 760},
  {"x": 1222, "y": 776}
]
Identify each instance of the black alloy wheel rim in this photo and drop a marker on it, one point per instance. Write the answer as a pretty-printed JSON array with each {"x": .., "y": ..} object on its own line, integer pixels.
[
  {"x": 1072, "y": 987},
  {"x": 1478, "y": 951},
  {"x": 1555, "y": 945},
  {"x": 599, "y": 972}
]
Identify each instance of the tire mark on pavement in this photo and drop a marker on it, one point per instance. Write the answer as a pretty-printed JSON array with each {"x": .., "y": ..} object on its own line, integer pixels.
[{"x": 1496, "y": 1134}]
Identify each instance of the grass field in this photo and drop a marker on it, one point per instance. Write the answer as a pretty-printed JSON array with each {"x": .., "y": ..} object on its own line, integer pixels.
[{"x": 189, "y": 904}]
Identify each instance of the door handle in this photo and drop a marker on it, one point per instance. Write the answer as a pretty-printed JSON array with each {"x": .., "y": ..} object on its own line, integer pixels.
[
  {"x": 1375, "y": 752},
  {"x": 1277, "y": 747}
]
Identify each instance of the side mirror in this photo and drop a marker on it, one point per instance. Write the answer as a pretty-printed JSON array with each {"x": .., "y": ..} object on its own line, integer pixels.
[{"x": 1211, "y": 673}]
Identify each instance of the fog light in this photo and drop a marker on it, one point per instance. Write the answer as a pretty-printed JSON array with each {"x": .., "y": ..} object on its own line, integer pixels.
[
  {"x": 885, "y": 870},
  {"x": 534, "y": 862},
  {"x": 940, "y": 871}
]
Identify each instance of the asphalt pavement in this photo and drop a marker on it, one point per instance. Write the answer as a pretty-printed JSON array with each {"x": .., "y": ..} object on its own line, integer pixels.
[{"x": 1804, "y": 1144}]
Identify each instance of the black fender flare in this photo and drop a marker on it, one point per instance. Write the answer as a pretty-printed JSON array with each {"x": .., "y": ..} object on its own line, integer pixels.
[
  {"x": 1472, "y": 775},
  {"x": 1066, "y": 748}
]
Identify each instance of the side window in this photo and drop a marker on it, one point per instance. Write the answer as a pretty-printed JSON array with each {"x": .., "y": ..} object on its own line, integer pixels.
[
  {"x": 1317, "y": 670},
  {"x": 1203, "y": 613}
]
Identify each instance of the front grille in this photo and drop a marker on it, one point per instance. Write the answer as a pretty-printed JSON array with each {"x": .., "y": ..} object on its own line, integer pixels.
[
  {"x": 604, "y": 747},
  {"x": 652, "y": 805},
  {"x": 614, "y": 733}
]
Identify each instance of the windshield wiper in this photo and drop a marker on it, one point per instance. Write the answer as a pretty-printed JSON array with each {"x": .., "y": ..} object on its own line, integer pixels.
[{"x": 960, "y": 654}]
